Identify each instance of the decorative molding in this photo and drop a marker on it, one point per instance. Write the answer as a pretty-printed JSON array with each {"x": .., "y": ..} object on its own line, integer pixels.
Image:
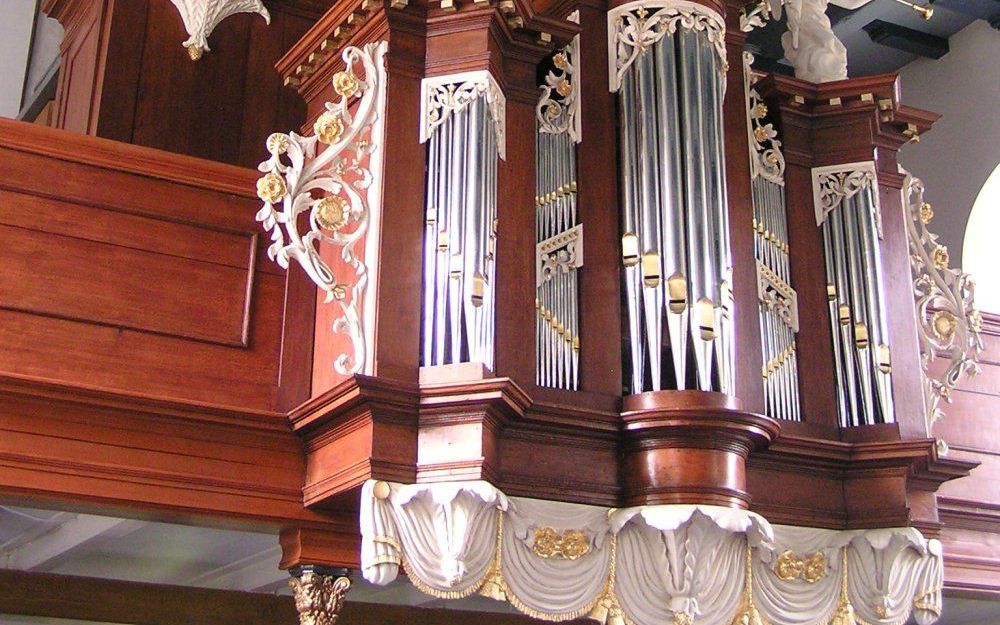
[
  {"x": 644, "y": 565},
  {"x": 319, "y": 598},
  {"x": 559, "y": 254},
  {"x": 561, "y": 112},
  {"x": 202, "y": 16},
  {"x": 349, "y": 174},
  {"x": 632, "y": 29},
  {"x": 810, "y": 44},
  {"x": 766, "y": 158},
  {"x": 835, "y": 183},
  {"x": 443, "y": 96},
  {"x": 947, "y": 320},
  {"x": 775, "y": 294}
]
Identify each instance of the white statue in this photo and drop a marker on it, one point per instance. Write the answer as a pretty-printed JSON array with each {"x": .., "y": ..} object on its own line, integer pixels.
[{"x": 814, "y": 51}]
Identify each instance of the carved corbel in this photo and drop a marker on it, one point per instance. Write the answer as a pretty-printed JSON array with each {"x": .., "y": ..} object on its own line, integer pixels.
[
  {"x": 319, "y": 593},
  {"x": 202, "y": 16}
]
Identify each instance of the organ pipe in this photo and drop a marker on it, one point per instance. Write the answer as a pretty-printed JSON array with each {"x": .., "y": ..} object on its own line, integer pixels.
[
  {"x": 847, "y": 212},
  {"x": 668, "y": 65},
  {"x": 463, "y": 131},
  {"x": 778, "y": 306}
]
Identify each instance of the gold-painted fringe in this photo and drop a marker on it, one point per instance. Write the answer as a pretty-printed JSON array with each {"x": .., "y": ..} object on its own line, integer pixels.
[
  {"x": 606, "y": 609},
  {"x": 747, "y": 614}
]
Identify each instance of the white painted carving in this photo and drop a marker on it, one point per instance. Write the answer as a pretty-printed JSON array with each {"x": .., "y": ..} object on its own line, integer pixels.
[
  {"x": 756, "y": 14},
  {"x": 646, "y": 565},
  {"x": 948, "y": 323},
  {"x": 832, "y": 184},
  {"x": 441, "y": 96},
  {"x": 202, "y": 16},
  {"x": 558, "y": 108},
  {"x": 635, "y": 26},
  {"x": 559, "y": 254},
  {"x": 775, "y": 294},
  {"x": 810, "y": 45},
  {"x": 766, "y": 159},
  {"x": 341, "y": 189}
]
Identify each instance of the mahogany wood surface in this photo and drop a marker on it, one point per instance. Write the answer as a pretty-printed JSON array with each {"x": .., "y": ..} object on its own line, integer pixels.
[
  {"x": 125, "y": 76},
  {"x": 135, "y": 603}
]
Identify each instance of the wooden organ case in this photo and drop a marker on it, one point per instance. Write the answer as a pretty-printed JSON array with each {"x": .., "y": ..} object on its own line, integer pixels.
[{"x": 581, "y": 252}]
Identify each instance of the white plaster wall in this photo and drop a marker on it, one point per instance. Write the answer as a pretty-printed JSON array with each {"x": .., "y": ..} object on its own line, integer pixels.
[
  {"x": 16, "y": 24},
  {"x": 956, "y": 157}
]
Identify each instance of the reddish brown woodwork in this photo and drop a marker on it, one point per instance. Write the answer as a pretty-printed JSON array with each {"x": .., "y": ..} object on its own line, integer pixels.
[
  {"x": 316, "y": 547},
  {"x": 689, "y": 447},
  {"x": 125, "y": 76}
]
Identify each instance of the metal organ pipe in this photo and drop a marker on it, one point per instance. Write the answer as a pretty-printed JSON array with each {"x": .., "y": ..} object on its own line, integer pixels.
[
  {"x": 848, "y": 214},
  {"x": 461, "y": 116},
  {"x": 559, "y": 248},
  {"x": 668, "y": 65},
  {"x": 778, "y": 306}
]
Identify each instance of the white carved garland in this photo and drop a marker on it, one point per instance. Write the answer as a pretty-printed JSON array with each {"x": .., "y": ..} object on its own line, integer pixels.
[
  {"x": 441, "y": 96},
  {"x": 647, "y": 565},
  {"x": 562, "y": 114},
  {"x": 766, "y": 158},
  {"x": 947, "y": 320},
  {"x": 635, "y": 26},
  {"x": 202, "y": 16},
  {"x": 340, "y": 186},
  {"x": 834, "y": 183}
]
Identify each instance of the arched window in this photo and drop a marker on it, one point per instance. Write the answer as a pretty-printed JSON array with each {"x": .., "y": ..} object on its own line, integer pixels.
[{"x": 981, "y": 249}]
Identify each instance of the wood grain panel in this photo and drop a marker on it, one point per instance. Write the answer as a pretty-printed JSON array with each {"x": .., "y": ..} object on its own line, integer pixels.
[{"x": 125, "y": 287}]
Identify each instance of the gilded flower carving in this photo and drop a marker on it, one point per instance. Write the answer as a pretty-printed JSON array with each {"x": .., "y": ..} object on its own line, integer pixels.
[
  {"x": 941, "y": 257},
  {"x": 926, "y": 213},
  {"x": 569, "y": 545},
  {"x": 790, "y": 567},
  {"x": 332, "y": 212},
  {"x": 329, "y": 127},
  {"x": 345, "y": 84},
  {"x": 944, "y": 325},
  {"x": 277, "y": 143},
  {"x": 271, "y": 187}
]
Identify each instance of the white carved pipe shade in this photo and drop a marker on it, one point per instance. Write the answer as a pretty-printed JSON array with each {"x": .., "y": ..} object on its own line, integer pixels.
[
  {"x": 646, "y": 565},
  {"x": 202, "y": 16}
]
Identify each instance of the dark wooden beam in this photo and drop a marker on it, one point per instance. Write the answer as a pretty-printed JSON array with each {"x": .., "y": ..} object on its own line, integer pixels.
[
  {"x": 134, "y": 603},
  {"x": 906, "y": 39}
]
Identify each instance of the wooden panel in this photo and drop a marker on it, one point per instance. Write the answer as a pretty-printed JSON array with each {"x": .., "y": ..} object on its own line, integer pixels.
[
  {"x": 162, "y": 287},
  {"x": 121, "y": 286}
]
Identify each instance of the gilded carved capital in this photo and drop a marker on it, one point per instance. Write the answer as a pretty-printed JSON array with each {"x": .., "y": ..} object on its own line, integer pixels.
[{"x": 319, "y": 597}]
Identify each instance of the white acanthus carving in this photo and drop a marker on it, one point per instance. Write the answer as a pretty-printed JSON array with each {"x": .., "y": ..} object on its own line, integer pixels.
[
  {"x": 947, "y": 320},
  {"x": 835, "y": 183},
  {"x": 341, "y": 188},
  {"x": 766, "y": 158},
  {"x": 810, "y": 45},
  {"x": 561, "y": 112},
  {"x": 558, "y": 254},
  {"x": 645, "y": 565},
  {"x": 442, "y": 96},
  {"x": 202, "y": 16},
  {"x": 635, "y": 26},
  {"x": 755, "y": 14}
]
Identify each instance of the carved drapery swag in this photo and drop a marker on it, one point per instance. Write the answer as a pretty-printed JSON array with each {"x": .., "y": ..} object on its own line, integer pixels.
[
  {"x": 645, "y": 565},
  {"x": 948, "y": 324},
  {"x": 334, "y": 175}
]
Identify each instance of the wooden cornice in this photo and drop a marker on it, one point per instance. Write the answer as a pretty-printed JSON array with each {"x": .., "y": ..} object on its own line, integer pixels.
[{"x": 124, "y": 157}]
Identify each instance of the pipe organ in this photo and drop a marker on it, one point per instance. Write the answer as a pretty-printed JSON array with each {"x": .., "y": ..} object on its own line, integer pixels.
[
  {"x": 463, "y": 130},
  {"x": 847, "y": 211},
  {"x": 669, "y": 70},
  {"x": 559, "y": 248},
  {"x": 779, "y": 316}
]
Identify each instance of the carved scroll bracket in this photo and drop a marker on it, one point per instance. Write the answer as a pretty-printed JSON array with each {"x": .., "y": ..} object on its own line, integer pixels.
[
  {"x": 766, "y": 158},
  {"x": 635, "y": 26},
  {"x": 948, "y": 323},
  {"x": 340, "y": 187},
  {"x": 202, "y": 16},
  {"x": 558, "y": 108},
  {"x": 834, "y": 183},
  {"x": 443, "y": 96}
]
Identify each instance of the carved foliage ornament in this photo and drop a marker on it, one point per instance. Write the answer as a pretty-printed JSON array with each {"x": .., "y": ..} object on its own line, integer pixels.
[
  {"x": 948, "y": 323},
  {"x": 766, "y": 158},
  {"x": 635, "y": 26},
  {"x": 558, "y": 108},
  {"x": 319, "y": 598},
  {"x": 334, "y": 176},
  {"x": 202, "y": 16},
  {"x": 833, "y": 184},
  {"x": 443, "y": 96},
  {"x": 755, "y": 13}
]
